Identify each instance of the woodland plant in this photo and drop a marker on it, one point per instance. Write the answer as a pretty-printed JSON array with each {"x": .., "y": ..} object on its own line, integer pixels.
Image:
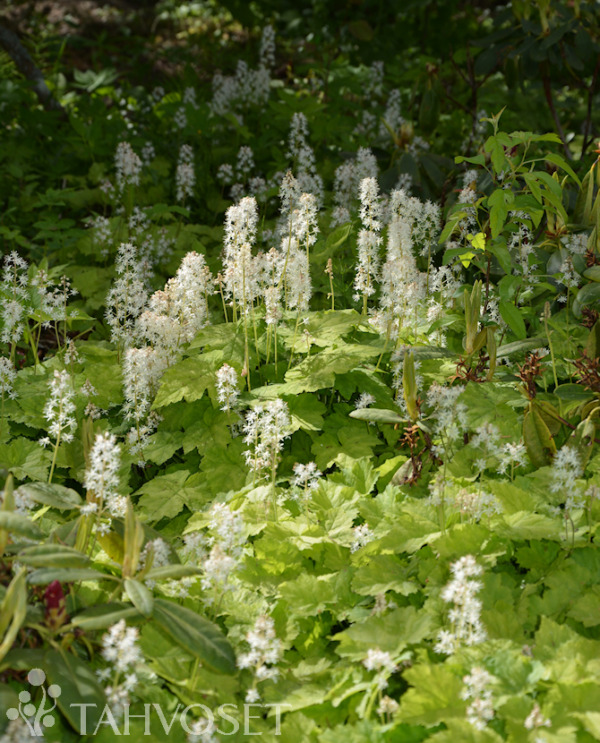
[{"x": 319, "y": 404}]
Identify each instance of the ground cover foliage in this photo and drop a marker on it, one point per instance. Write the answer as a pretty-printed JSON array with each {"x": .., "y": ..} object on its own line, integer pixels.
[{"x": 299, "y": 377}]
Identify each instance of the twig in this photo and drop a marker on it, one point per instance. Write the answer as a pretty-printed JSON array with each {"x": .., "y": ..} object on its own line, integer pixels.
[
  {"x": 10, "y": 42},
  {"x": 557, "y": 124}
]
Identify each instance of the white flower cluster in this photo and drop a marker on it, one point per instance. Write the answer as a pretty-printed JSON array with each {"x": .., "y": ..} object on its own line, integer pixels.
[
  {"x": 239, "y": 92},
  {"x": 476, "y": 504},
  {"x": 128, "y": 166},
  {"x": 227, "y": 388},
  {"x": 148, "y": 153},
  {"x": 170, "y": 318},
  {"x": 387, "y": 706},
  {"x": 535, "y": 719},
  {"x": 369, "y": 240},
  {"x": 362, "y": 536},
  {"x": 101, "y": 478},
  {"x": 266, "y": 427},
  {"x": 466, "y": 626},
  {"x": 127, "y": 297},
  {"x": 365, "y": 399},
  {"x": 481, "y": 709},
  {"x": 7, "y": 378},
  {"x": 449, "y": 415},
  {"x": 241, "y": 277},
  {"x": 403, "y": 286},
  {"x": 219, "y": 553},
  {"x": 202, "y": 730},
  {"x": 381, "y": 662},
  {"x": 307, "y": 476},
  {"x": 156, "y": 554},
  {"x": 506, "y": 456},
  {"x": 267, "y": 47},
  {"x": 121, "y": 650},
  {"x": 303, "y": 158},
  {"x": 59, "y": 408},
  {"x": 265, "y": 652},
  {"x": 347, "y": 179},
  {"x": 566, "y": 469},
  {"x": 185, "y": 176},
  {"x": 142, "y": 368},
  {"x": 175, "y": 314},
  {"x": 15, "y": 302}
]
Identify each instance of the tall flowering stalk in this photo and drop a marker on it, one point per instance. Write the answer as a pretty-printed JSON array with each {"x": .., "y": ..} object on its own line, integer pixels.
[
  {"x": 266, "y": 427},
  {"x": 15, "y": 300},
  {"x": 369, "y": 240},
  {"x": 466, "y": 626},
  {"x": 7, "y": 379},
  {"x": 240, "y": 267},
  {"x": 58, "y": 411},
  {"x": 185, "y": 176},
  {"x": 102, "y": 478},
  {"x": 127, "y": 297}
]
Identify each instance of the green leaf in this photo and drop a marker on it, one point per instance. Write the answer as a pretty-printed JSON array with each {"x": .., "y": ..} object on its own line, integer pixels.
[
  {"x": 537, "y": 438},
  {"x": 391, "y": 633},
  {"x": 78, "y": 685},
  {"x": 573, "y": 393},
  {"x": 53, "y": 555},
  {"x": 562, "y": 163},
  {"x": 189, "y": 379},
  {"x": 66, "y": 575},
  {"x": 196, "y": 634},
  {"x": 163, "y": 496},
  {"x": 377, "y": 415},
  {"x": 527, "y": 525},
  {"x": 592, "y": 273},
  {"x": 435, "y": 695},
  {"x": 102, "y": 616},
  {"x": 528, "y": 344},
  {"x": 141, "y": 597},
  {"x": 383, "y": 573},
  {"x": 513, "y": 318},
  {"x": 587, "y": 295},
  {"x": 52, "y": 494},
  {"x": 166, "y": 572},
  {"x": 25, "y": 459},
  {"x": 16, "y": 523}
]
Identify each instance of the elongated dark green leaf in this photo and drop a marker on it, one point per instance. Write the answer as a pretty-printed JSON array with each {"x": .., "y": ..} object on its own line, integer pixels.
[
  {"x": 141, "y": 597},
  {"x": 51, "y": 494},
  {"x": 538, "y": 440},
  {"x": 53, "y": 555},
  {"x": 78, "y": 685},
  {"x": 196, "y": 634},
  {"x": 66, "y": 575},
  {"x": 573, "y": 392},
  {"x": 518, "y": 346},
  {"x": 513, "y": 318},
  {"x": 16, "y": 523},
  {"x": 105, "y": 615}
]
